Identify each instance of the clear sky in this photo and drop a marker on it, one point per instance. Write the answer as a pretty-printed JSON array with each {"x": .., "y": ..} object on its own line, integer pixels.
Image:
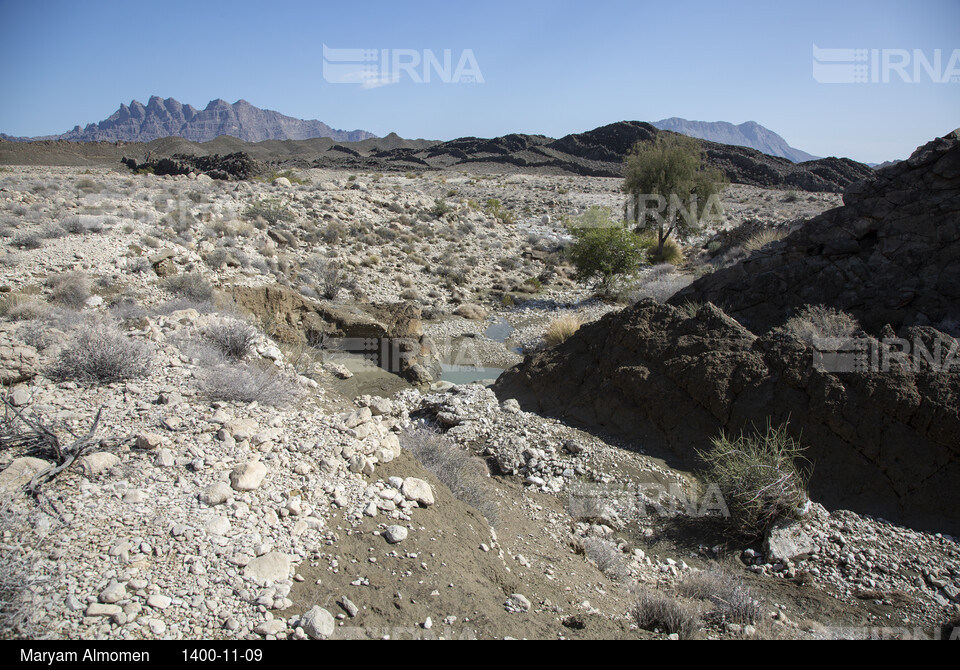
[{"x": 548, "y": 68}]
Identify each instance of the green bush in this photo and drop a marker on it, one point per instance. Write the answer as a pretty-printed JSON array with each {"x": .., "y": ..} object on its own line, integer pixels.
[
  {"x": 759, "y": 477},
  {"x": 604, "y": 252}
]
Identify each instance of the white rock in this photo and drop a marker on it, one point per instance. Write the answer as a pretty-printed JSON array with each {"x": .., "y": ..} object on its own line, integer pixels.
[
  {"x": 248, "y": 476},
  {"x": 318, "y": 623},
  {"x": 395, "y": 534},
  {"x": 159, "y": 602},
  {"x": 418, "y": 491},
  {"x": 96, "y": 463},
  {"x": 19, "y": 473},
  {"x": 216, "y": 494},
  {"x": 271, "y": 567}
]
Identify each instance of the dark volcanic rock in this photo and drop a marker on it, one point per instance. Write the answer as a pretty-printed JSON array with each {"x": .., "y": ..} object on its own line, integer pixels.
[
  {"x": 236, "y": 166},
  {"x": 890, "y": 255},
  {"x": 882, "y": 443}
]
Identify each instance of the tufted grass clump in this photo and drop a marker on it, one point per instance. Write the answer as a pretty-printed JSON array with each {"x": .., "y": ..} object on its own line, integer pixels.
[{"x": 759, "y": 477}]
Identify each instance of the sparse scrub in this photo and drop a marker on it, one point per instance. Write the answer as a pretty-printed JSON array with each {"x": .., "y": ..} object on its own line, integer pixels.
[
  {"x": 732, "y": 601},
  {"x": 249, "y": 382},
  {"x": 658, "y": 611},
  {"x": 560, "y": 330},
  {"x": 460, "y": 471},
  {"x": 27, "y": 240},
  {"x": 191, "y": 286},
  {"x": 271, "y": 210},
  {"x": 233, "y": 337},
  {"x": 758, "y": 476},
  {"x": 98, "y": 352},
  {"x": 690, "y": 308},
  {"x": 70, "y": 289},
  {"x": 496, "y": 209},
  {"x": 607, "y": 557},
  {"x": 819, "y": 321}
]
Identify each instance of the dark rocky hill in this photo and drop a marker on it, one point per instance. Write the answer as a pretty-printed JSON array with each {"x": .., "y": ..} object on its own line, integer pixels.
[{"x": 890, "y": 255}]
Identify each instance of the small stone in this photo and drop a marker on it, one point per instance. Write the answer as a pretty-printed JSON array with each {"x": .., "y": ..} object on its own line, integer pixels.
[
  {"x": 270, "y": 627},
  {"x": 157, "y": 627},
  {"x": 149, "y": 441},
  {"x": 348, "y": 606},
  {"x": 97, "y": 609},
  {"x": 270, "y": 567},
  {"x": 417, "y": 490},
  {"x": 216, "y": 494},
  {"x": 113, "y": 593},
  {"x": 395, "y": 534},
  {"x": 248, "y": 476},
  {"x": 318, "y": 623},
  {"x": 159, "y": 602},
  {"x": 164, "y": 458},
  {"x": 96, "y": 463}
]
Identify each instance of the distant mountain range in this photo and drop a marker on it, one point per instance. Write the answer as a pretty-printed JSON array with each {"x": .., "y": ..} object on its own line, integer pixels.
[
  {"x": 170, "y": 118},
  {"x": 749, "y": 134}
]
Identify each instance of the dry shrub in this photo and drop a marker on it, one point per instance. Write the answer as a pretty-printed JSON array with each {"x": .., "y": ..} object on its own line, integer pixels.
[
  {"x": 560, "y": 330},
  {"x": 460, "y": 471},
  {"x": 655, "y": 611}
]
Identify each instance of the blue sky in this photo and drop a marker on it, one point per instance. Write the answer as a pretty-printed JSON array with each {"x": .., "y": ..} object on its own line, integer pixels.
[{"x": 550, "y": 68}]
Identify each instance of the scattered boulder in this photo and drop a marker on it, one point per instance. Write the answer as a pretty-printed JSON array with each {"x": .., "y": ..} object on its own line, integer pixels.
[
  {"x": 248, "y": 476},
  {"x": 19, "y": 473},
  {"x": 271, "y": 567},
  {"x": 395, "y": 534},
  {"x": 318, "y": 623},
  {"x": 417, "y": 490}
]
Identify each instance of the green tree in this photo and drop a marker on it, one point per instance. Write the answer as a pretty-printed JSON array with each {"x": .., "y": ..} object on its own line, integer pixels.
[
  {"x": 670, "y": 170},
  {"x": 602, "y": 249}
]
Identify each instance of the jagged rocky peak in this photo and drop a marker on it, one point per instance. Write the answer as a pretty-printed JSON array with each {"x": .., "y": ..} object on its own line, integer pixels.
[{"x": 170, "y": 118}]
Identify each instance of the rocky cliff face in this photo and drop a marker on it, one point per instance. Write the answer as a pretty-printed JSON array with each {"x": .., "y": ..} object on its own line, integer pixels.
[
  {"x": 169, "y": 118},
  {"x": 890, "y": 255},
  {"x": 882, "y": 443},
  {"x": 750, "y": 134}
]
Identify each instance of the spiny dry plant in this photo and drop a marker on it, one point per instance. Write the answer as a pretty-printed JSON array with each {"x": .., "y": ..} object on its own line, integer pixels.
[
  {"x": 249, "y": 382},
  {"x": 233, "y": 337},
  {"x": 759, "y": 476},
  {"x": 657, "y": 611},
  {"x": 190, "y": 285},
  {"x": 731, "y": 600},
  {"x": 607, "y": 557}
]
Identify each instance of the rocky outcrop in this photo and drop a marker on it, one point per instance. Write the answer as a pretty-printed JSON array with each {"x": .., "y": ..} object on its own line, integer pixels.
[
  {"x": 18, "y": 361},
  {"x": 169, "y": 118},
  {"x": 235, "y": 166},
  {"x": 882, "y": 442},
  {"x": 890, "y": 255},
  {"x": 389, "y": 334}
]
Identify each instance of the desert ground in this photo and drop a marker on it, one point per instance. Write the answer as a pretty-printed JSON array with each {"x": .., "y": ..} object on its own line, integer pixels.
[{"x": 245, "y": 480}]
